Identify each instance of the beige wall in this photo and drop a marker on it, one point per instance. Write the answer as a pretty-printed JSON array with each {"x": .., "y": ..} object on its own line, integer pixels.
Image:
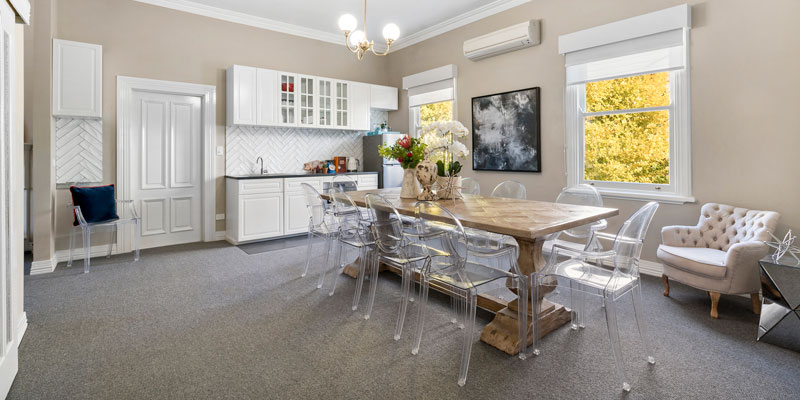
[
  {"x": 745, "y": 58},
  {"x": 146, "y": 41}
]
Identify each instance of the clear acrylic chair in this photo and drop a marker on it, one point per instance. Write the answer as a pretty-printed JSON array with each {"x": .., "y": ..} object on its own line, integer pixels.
[
  {"x": 463, "y": 273},
  {"x": 354, "y": 232},
  {"x": 470, "y": 186},
  {"x": 581, "y": 195},
  {"x": 586, "y": 274},
  {"x": 398, "y": 245},
  {"x": 127, "y": 216},
  {"x": 490, "y": 240},
  {"x": 510, "y": 190},
  {"x": 321, "y": 223}
]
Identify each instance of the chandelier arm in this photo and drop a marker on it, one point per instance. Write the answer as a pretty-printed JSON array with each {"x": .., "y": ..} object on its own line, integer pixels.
[
  {"x": 347, "y": 42},
  {"x": 388, "y": 46}
]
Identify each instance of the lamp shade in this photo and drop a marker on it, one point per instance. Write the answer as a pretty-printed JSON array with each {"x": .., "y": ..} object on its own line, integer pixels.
[
  {"x": 348, "y": 23},
  {"x": 356, "y": 38},
  {"x": 391, "y": 32}
]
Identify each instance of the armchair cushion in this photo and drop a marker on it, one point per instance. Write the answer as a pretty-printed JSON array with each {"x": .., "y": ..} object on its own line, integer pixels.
[
  {"x": 97, "y": 203},
  {"x": 699, "y": 260}
]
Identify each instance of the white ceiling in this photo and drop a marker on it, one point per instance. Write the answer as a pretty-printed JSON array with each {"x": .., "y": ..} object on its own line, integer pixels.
[{"x": 318, "y": 19}]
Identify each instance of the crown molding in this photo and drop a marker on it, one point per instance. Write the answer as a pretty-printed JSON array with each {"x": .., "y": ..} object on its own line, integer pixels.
[
  {"x": 458, "y": 21},
  {"x": 245, "y": 19}
]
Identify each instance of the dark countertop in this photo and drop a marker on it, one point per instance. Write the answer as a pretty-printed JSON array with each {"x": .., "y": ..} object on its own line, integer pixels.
[{"x": 291, "y": 175}]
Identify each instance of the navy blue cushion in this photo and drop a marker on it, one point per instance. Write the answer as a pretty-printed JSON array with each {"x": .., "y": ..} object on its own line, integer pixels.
[{"x": 97, "y": 203}]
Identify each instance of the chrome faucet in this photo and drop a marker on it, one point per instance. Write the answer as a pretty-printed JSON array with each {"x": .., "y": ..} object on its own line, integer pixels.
[{"x": 261, "y": 162}]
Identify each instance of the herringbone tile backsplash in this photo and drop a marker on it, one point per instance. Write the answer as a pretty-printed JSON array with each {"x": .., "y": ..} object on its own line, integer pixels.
[
  {"x": 79, "y": 150},
  {"x": 287, "y": 149}
]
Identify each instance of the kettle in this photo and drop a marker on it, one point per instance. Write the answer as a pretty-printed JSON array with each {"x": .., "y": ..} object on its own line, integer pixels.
[{"x": 353, "y": 164}]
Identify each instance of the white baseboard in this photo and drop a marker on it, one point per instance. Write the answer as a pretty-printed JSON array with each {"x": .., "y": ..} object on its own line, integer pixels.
[
  {"x": 43, "y": 266},
  {"x": 97, "y": 251},
  {"x": 651, "y": 268},
  {"x": 219, "y": 235},
  {"x": 22, "y": 326}
]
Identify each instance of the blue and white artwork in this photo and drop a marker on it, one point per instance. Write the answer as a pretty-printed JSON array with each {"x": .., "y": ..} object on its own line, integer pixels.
[{"x": 506, "y": 132}]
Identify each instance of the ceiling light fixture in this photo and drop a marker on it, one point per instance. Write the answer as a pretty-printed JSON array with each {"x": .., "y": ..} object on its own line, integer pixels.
[{"x": 356, "y": 40}]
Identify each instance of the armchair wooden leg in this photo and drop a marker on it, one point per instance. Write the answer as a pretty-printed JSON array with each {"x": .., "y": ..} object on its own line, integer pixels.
[
  {"x": 666, "y": 284},
  {"x": 714, "y": 303},
  {"x": 756, "y": 303}
]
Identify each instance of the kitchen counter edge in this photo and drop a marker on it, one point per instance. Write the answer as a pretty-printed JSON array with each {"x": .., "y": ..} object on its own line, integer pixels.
[{"x": 279, "y": 176}]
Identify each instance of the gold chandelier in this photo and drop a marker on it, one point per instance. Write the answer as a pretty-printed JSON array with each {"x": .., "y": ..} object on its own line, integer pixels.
[{"x": 358, "y": 38}]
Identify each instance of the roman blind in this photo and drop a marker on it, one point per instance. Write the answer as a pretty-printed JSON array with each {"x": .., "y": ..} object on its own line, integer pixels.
[
  {"x": 645, "y": 44},
  {"x": 432, "y": 86}
]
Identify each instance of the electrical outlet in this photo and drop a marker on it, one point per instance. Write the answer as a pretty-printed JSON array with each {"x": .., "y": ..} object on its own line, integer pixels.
[{"x": 220, "y": 217}]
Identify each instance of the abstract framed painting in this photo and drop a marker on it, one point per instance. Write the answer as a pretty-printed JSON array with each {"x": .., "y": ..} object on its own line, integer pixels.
[{"x": 506, "y": 132}]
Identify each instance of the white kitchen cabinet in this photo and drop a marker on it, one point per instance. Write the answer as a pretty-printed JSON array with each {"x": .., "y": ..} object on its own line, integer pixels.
[
  {"x": 77, "y": 79},
  {"x": 262, "y": 216},
  {"x": 241, "y": 90},
  {"x": 383, "y": 97},
  {"x": 341, "y": 94},
  {"x": 287, "y": 99},
  {"x": 307, "y": 107},
  {"x": 266, "y": 81},
  {"x": 359, "y": 106},
  {"x": 325, "y": 112},
  {"x": 367, "y": 181},
  {"x": 254, "y": 209},
  {"x": 295, "y": 212}
]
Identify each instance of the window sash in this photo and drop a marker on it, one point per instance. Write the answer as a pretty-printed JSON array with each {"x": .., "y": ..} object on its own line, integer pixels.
[{"x": 679, "y": 188}]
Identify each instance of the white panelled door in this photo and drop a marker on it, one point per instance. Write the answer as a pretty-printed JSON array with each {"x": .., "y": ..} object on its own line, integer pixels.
[
  {"x": 9, "y": 362},
  {"x": 166, "y": 168}
]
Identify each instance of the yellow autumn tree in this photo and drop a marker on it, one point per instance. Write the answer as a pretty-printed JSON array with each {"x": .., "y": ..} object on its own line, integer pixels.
[
  {"x": 630, "y": 146},
  {"x": 435, "y": 112}
]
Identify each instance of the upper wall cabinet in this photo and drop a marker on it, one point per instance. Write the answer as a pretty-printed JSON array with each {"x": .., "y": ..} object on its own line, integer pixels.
[
  {"x": 77, "y": 79},
  {"x": 383, "y": 97},
  {"x": 242, "y": 87},
  {"x": 262, "y": 97},
  {"x": 360, "y": 105}
]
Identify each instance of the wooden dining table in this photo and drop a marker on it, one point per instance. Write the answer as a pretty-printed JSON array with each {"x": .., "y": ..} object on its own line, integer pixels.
[{"x": 527, "y": 221}]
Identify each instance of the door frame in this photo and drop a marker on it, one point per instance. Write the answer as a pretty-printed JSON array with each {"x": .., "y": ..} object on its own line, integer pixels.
[{"x": 126, "y": 86}]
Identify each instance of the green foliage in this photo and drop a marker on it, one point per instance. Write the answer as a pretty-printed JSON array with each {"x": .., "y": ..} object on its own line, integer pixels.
[
  {"x": 435, "y": 112},
  {"x": 408, "y": 151},
  {"x": 628, "y": 147},
  {"x": 454, "y": 168}
]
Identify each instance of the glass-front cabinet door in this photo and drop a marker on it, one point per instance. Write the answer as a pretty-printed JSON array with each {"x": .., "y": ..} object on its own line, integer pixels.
[
  {"x": 287, "y": 98},
  {"x": 325, "y": 102},
  {"x": 342, "y": 94},
  {"x": 307, "y": 108}
]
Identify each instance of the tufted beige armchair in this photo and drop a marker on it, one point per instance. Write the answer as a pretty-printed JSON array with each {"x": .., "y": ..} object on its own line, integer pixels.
[{"x": 720, "y": 254}]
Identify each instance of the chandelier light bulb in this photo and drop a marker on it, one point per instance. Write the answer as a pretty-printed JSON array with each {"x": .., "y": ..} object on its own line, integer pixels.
[
  {"x": 348, "y": 23},
  {"x": 357, "y": 37},
  {"x": 391, "y": 32}
]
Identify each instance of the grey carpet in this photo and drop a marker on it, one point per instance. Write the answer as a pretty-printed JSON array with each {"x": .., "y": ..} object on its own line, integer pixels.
[
  {"x": 272, "y": 245},
  {"x": 209, "y": 321}
]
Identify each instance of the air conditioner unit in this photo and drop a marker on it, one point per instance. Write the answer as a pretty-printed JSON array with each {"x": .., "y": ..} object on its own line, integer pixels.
[{"x": 513, "y": 38}]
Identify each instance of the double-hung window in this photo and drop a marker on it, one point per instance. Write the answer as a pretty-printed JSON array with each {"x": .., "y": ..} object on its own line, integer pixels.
[
  {"x": 431, "y": 96},
  {"x": 627, "y": 107}
]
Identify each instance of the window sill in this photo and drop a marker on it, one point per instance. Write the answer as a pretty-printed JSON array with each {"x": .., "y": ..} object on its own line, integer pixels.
[{"x": 669, "y": 198}]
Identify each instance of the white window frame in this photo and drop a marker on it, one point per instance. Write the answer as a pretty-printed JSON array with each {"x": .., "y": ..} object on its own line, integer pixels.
[
  {"x": 432, "y": 84},
  {"x": 678, "y": 191}
]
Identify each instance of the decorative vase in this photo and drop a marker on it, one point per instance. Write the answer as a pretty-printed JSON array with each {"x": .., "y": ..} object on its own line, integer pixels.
[
  {"x": 410, "y": 188},
  {"x": 449, "y": 187},
  {"x": 426, "y": 175}
]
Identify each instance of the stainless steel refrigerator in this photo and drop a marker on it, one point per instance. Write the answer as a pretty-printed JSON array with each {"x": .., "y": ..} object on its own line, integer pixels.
[{"x": 390, "y": 172}]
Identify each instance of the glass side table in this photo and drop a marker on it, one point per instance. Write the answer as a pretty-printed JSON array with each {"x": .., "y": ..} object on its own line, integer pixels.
[{"x": 780, "y": 309}]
